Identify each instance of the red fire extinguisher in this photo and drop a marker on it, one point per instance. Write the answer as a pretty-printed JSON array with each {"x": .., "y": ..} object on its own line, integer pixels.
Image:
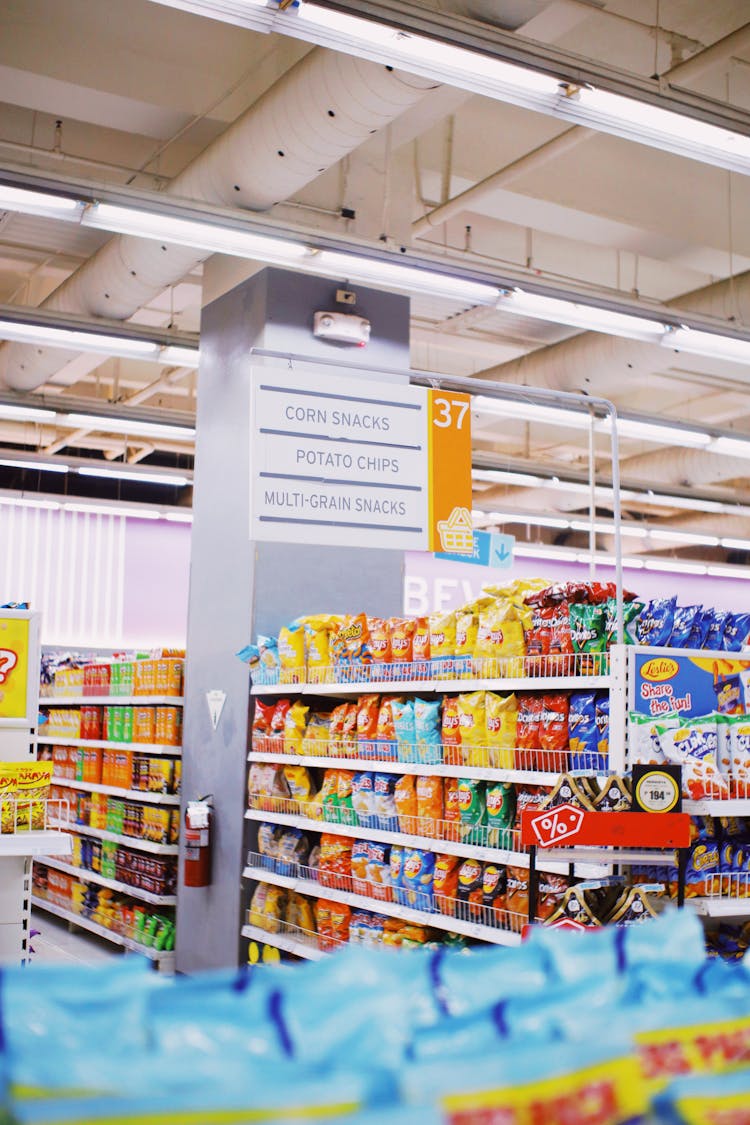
[{"x": 198, "y": 843}]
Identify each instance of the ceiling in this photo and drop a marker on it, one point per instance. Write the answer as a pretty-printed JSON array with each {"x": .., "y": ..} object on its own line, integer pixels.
[{"x": 131, "y": 94}]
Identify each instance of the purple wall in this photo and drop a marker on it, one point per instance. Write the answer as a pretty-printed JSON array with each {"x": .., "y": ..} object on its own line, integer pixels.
[{"x": 156, "y": 578}]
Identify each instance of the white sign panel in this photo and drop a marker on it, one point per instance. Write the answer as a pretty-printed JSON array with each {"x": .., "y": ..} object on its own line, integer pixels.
[{"x": 338, "y": 461}]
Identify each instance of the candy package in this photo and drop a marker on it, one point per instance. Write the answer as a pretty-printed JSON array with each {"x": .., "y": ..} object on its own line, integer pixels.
[
  {"x": 656, "y": 622},
  {"x": 501, "y": 718},
  {"x": 427, "y": 730}
]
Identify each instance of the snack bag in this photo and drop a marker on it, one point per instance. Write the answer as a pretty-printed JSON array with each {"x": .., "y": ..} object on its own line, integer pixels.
[
  {"x": 344, "y": 793},
  {"x": 529, "y": 730},
  {"x": 262, "y": 718},
  {"x": 630, "y": 612},
  {"x": 715, "y": 637},
  {"x": 335, "y": 860},
  {"x": 472, "y": 723},
  {"x": 384, "y": 803},
  {"x": 402, "y": 639},
  {"x": 417, "y": 878},
  {"x": 328, "y": 797},
  {"x": 360, "y": 858},
  {"x": 445, "y": 883},
  {"x": 427, "y": 730},
  {"x": 405, "y": 729},
  {"x": 292, "y": 848},
  {"x": 554, "y": 725},
  {"x": 429, "y": 794},
  {"x": 501, "y": 717},
  {"x": 291, "y": 644},
  {"x": 336, "y": 730},
  {"x": 450, "y": 731},
  {"x": 738, "y": 728},
  {"x": 322, "y": 911},
  {"x": 405, "y": 796},
  {"x": 550, "y": 893},
  {"x": 386, "y": 730},
  {"x": 501, "y": 811},
  {"x": 379, "y": 871},
  {"x": 443, "y": 643},
  {"x": 469, "y": 890},
  {"x": 467, "y": 628},
  {"x": 318, "y": 730},
  {"x": 694, "y": 744},
  {"x": 349, "y": 731},
  {"x": 737, "y": 632},
  {"x": 295, "y": 722},
  {"x": 8, "y": 775},
  {"x": 317, "y": 644},
  {"x": 451, "y": 809},
  {"x": 268, "y": 840},
  {"x": 704, "y": 863},
  {"x": 396, "y": 863},
  {"x": 380, "y": 643},
  {"x": 299, "y": 783},
  {"x": 363, "y": 799},
  {"x": 350, "y": 643},
  {"x": 278, "y": 719},
  {"x": 340, "y": 919},
  {"x": 421, "y": 642},
  {"x": 472, "y": 805},
  {"x": 588, "y": 628},
  {"x": 602, "y": 727},
  {"x": 256, "y": 913},
  {"x": 644, "y": 740},
  {"x": 699, "y": 631},
  {"x": 656, "y": 622},
  {"x": 500, "y": 643},
  {"x": 682, "y": 627},
  {"x": 299, "y": 913},
  {"x": 583, "y": 732},
  {"x": 615, "y": 796},
  {"x": 367, "y": 719},
  {"x": 517, "y": 897},
  {"x": 561, "y": 646},
  {"x": 493, "y": 892}
]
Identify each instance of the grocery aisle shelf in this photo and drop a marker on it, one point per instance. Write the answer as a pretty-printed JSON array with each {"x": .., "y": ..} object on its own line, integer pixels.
[
  {"x": 35, "y": 843},
  {"x": 721, "y": 907},
  {"x": 149, "y": 748},
  {"x": 127, "y": 841},
  {"x": 610, "y": 856},
  {"x": 393, "y": 909},
  {"x": 113, "y": 791},
  {"x": 283, "y": 941},
  {"x": 452, "y": 687},
  {"x": 166, "y": 960},
  {"x": 113, "y": 700},
  {"x": 94, "y": 877},
  {"x": 732, "y": 806},
  {"x": 424, "y": 769}
]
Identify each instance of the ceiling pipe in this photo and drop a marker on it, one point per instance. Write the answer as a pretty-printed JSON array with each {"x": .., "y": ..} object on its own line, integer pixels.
[{"x": 319, "y": 111}]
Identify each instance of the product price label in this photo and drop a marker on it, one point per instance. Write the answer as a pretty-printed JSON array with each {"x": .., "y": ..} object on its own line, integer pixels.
[{"x": 657, "y": 789}]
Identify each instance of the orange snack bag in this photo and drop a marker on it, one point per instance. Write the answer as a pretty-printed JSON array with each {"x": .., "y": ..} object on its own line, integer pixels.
[
  {"x": 367, "y": 717},
  {"x": 402, "y": 639},
  {"x": 348, "y": 746},
  {"x": 322, "y": 911},
  {"x": 335, "y": 859},
  {"x": 430, "y": 805},
  {"x": 386, "y": 731},
  {"x": 451, "y": 809},
  {"x": 450, "y": 732},
  {"x": 405, "y": 796},
  {"x": 445, "y": 882},
  {"x": 340, "y": 919},
  {"x": 336, "y": 729},
  {"x": 421, "y": 639},
  {"x": 380, "y": 640}
]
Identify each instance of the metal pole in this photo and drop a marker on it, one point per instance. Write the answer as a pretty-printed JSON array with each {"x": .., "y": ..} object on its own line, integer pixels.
[{"x": 592, "y": 498}]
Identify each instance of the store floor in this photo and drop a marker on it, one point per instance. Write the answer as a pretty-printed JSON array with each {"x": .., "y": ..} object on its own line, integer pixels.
[{"x": 57, "y": 942}]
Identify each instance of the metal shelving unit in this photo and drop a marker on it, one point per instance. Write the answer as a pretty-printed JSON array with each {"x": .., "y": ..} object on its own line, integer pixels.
[
  {"x": 113, "y": 791},
  {"x": 87, "y": 876},
  {"x": 126, "y": 841},
  {"x": 165, "y": 960},
  {"x": 148, "y": 748}
]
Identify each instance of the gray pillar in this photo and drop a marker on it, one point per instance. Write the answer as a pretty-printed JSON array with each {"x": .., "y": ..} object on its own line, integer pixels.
[{"x": 239, "y": 588}]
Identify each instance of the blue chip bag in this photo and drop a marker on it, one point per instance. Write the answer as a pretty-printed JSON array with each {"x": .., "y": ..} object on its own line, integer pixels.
[
  {"x": 602, "y": 727},
  {"x": 428, "y": 731},
  {"x": 684, "y": 619},
  {"x": 655, "y": 624},
  {"x": 715, "y": 638},
  {"x": 737, "y": 632},
  {"x": 404, "y": 725},
  {"x": 384, "y": 801},
  {"x": 417, "y": 878},
  {"x": 583, "y": 736},
  {"x": 700, "y": 628}
]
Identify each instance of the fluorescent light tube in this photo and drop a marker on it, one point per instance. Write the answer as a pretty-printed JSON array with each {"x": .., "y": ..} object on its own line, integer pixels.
[
  {"x": 685, "y": 537},
  {"x": 126, "y": 426},
  {"x": 38, "y": 203},
  {"x": 707, "y": 343},
  {"x": 530, "y": 412},
  {"x": 529, "y": 518},
  {"x": 736, "y": 544},
  {"x": 11, "y": 502},
  {"x": 731, "y": 447},
  {"x": 672, "y": 566},
  {"x": 544, "y": 553},
  {"x": 379, "y": 272},
  {"x": 46, "y": 336},
  {"x": 179, "y": 517},
  {"x": 730, "y": 572},
  {"x": 499, "y": 476},
  {"x": 43, "y": 466},
  {"x": 26, "y": 414},
  {"x": 112, "y": 510},
  {"x": 558, "y": 310},
  {"x": 179, "y": 355},
  {"x": 660, "y": 432},
  {"x": 609, "y": 528},
  {"x": 141, "y": 478}
]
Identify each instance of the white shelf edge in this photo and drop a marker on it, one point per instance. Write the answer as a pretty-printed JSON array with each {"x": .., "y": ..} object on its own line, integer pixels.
[
  {"x": 165, "y": 959},
  {"x": 87, "y": 876},
  {"x": 489, "y": 773},
  {"x": 384, "y": 687},
  {"x": 445, "y": 847},
  {"x": 48, "y": 842},
  {"x": 732, "y": 806},
  {"x": 148, "y": 748},
  {"x": 126, "y": 841},
  {"x": 283, "y": 941},
  {"x": 610, "y": 857},
  {"x": 392, "y": 909},
  {"x": 113, "y": 791},
  {"x": 113, "y": 700},
  {"x": 721, "y": 907}
]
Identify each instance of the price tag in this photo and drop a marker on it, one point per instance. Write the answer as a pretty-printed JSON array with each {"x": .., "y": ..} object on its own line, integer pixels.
[
  {"x": 657, "y": 789},
  {"x": 554, "y": 825}
]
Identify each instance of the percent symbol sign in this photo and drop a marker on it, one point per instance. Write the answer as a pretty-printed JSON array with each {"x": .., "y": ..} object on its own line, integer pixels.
[{"x": 554, "y": 825}]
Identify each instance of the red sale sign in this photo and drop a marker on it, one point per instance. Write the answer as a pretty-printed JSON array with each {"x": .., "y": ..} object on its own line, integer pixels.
[
  {"x": 555, "y": 825},
  {"x": 566, "y": 825}
]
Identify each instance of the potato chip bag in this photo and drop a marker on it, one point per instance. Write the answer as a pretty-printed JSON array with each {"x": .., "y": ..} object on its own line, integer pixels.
[
  {"x": 322, "y": 911},
  {"x": 268, "y": 839},
  {"x": 386, "y": 729},
  {"x": 405, "y": 729},
  {"x": 396, "y": 870},
  {"x": 256, "y": 912},
  {"x": 560, "y": 638},
  {"x": 443, "y": 641},
  {"x": 405, "y": 796},
  {"x": 317, "y": 645},
  {"x": 348, "y": 741},
  {"x": 384, "y": 803},
  {"x": 493, "y": 890},
  {"x": 500, "y": 637},
  {"x": 380, "y": 641},
  {"x": 340, "y": 919},
  {"x": 293, "y": 846},
  {"x": 335, "y": 859},
  {"x": 472, "y": 806},
  {"x": 350, "y": 643},
  {"x": 588, "y": 626},
  {"x": 429, "y": 791},
  {"x": 274, "y": 909},
  {"x": 467, "y": 627},
  {"x": 402, "y": 639},
  {"x": 336, "y": 729},
  {"x": 299, "y": 782},
  {"x": 445, "y": 883},
  {"x": 501, "y": 717},
  {"x": 417, "y": 878},
  {"x": 360, "y": 857},
  {"x": 363, "y": 799},
  {"x": 344, "y": 795},
  {"x": 379, "y": 870},
  {"x": 367, "y": 718},
  {"x": 329, "y": 795},
  {"x": 501, "y": 811},
  {"x": 583, "y": 736},
  {"x": 318, "y": 730},
  {"x": 427, "y": 730},
  {"x": 469, "y": 890},
  {"x": 451, "y": 809},
  {"x": 450, "y": 731},
  {"x": 517, "y": 897},
  {"x": 8, "y": 777},
  {"x": 299, "y": 913},
  {"x": 295, "y": 722},
  {"x": 278, "y": 719},
  {"x": 421, "y": 640},
  {"x": 262, "y": 717},
  {"x": 291, "y": 643},
  {"x": 554, "y": 726},
  {"x": 472, "y": 723},
  {"x": 602, "y": 726}
]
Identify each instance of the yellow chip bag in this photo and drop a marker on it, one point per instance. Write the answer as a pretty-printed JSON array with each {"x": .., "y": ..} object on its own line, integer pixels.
[
  {"x": 317, "y": 635},
  {"x": 443, "y": 641},
  {"x": 7, "y": 797},
  {"x": 467, "y": 627},
  {"x": 292, "y": 654},
  {"x": 300, "y": 783},
  {"x": 299, "y": 912},
  {"x": 274, "y": 910},
  {"x": 500, "y": 636},
  {"x": 472, "y": 724},
  {"x": 33, "y": 782},
  {"x": 501, "y": 715},
  {"x": 295, "y": 722}
]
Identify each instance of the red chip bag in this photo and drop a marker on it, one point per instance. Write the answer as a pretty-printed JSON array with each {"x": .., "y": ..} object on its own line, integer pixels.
[
  {"x": 262, "y": 717},
  {"x": 421, "y": 639},
  {"x": 402, "y": 639},
  {"x": 554, "y": 726},
  {"x": 560, "y": 635},
  {"x": 528, "y": 730},
  {"x": 445, "y": 882},
  {"x": 278, "y": 719},
  {"x": 550, "y": 894},
  {"x": 336, "y": 729},
  {"x": 380, "y": 640},
  {"x": 367, "y": 718},
  {"x": 348, "y": 742}
]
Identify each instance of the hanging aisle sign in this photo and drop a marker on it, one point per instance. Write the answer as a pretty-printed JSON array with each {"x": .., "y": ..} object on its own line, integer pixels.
[{"x": 352, "y": 462}]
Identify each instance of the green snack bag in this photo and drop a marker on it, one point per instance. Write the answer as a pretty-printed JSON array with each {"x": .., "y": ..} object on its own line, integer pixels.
[
  {"x": 127, "y": 724},
  {"x": 501, "y": 811},
  {"x": 344, "y": 795},
  {"x": 630, "y": 614},
  {"x": 588, "y": 629},
  {"x": 472, "y": 807}
]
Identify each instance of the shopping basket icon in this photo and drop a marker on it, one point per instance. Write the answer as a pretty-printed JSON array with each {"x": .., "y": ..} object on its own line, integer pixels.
[{"x": 456, "y": 533}]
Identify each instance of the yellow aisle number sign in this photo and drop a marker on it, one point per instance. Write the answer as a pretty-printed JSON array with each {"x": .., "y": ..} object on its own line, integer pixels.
[{"x": 449, "y": 445}]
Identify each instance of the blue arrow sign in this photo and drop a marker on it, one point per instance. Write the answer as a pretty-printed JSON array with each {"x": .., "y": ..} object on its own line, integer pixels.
[{"x": 491, "y": 548}]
